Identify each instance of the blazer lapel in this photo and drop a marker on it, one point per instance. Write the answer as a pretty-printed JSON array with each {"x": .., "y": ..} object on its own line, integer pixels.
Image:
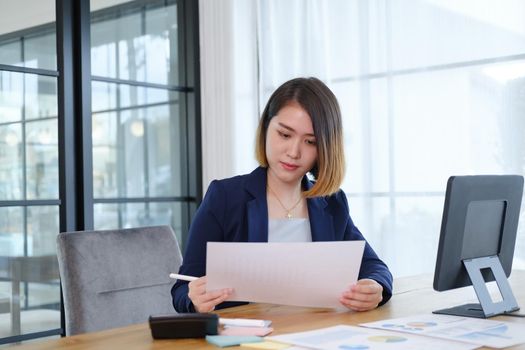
[
  {"x": 257, "y": 221},
  {"x": 321, "y": 221},
  {"x": 257, "y": 208}
]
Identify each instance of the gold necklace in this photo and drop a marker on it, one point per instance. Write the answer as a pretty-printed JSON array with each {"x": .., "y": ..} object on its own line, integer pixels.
[{"x": 288, "y": 211}]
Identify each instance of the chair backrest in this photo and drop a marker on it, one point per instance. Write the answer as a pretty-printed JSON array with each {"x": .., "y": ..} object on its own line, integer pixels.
[{"x": 117, "y": 277}]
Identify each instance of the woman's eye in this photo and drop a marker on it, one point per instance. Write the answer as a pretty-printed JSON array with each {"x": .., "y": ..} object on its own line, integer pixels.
[
  {"x": 283, "y": 135},
  {"x": 311, "y": 142}
]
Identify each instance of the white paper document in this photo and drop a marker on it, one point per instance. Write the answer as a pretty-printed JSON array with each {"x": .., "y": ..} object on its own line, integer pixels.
[
  {"x": 494, "y": 334},
  {"x": 304, "y": 274},
  {"x": 348, "y": 337}
]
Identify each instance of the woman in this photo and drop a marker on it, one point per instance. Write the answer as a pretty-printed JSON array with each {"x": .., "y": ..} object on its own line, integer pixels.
[{"x": 300, "y": 133}]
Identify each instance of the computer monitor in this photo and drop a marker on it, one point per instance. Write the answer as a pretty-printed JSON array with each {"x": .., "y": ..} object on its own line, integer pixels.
[{"x": 476, "y": 244}]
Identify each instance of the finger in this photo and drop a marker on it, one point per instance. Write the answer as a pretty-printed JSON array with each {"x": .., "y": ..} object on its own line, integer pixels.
[
  {"x": 363, "y": 297},
  {"x": 219, "y": 299},
  {"x": 352, "y": 305},
  {"x": 357, "y": 305},
  {"x": 364, "y": 285},
  {"x": 210, "y": 304},
  {"x": 217, "y": 293},
  {"x": 359, "y": 300},
  {"x": 210, "y": 296},
  {"x": 195, "y": 291},
  {"x": 367, "y": 288},
  {"x": 198, "y": 286},
  {"x": 199, "y": 282}
]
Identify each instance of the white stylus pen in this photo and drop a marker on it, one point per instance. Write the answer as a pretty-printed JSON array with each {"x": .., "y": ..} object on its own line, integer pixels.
[
  {"x": 176, "y": 276},
  {"x": 241, "y": 322}
]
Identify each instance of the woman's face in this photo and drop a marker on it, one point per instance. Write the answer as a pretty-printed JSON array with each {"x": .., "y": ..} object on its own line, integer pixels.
[{"x": 291, "y": 149}]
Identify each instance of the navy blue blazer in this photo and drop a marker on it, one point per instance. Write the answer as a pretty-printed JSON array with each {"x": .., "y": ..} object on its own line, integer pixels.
[{"x": 236, "y": 210}]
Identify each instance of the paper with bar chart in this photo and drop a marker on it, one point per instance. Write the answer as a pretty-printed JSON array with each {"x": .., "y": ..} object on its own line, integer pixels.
[
  {"x": 343, "y": 337},
  {"x": 491, "y": 333}
]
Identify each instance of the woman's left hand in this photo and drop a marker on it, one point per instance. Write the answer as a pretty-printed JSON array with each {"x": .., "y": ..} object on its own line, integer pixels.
[{"x": 365, "y": 295}]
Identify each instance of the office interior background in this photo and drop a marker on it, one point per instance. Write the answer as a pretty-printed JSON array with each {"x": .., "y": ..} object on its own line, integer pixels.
[{"x": 167, "y": 95}]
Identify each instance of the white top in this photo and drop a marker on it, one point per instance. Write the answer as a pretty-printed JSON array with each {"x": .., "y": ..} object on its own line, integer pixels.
[{"x": 289, "y": 230}]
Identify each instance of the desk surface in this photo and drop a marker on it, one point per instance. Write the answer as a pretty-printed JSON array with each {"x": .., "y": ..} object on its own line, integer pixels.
[{"x": 413, "y": 295}]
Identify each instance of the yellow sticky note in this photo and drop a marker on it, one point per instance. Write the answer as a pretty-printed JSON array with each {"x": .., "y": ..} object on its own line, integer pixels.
[{"x": 266, "y": 345}]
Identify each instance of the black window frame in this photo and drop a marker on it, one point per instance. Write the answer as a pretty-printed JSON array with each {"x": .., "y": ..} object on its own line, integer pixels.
[{"x": 73, "y": 73}]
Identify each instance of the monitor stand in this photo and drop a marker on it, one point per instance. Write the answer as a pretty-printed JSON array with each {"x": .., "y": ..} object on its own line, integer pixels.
[{"x": 486, "y": 308}]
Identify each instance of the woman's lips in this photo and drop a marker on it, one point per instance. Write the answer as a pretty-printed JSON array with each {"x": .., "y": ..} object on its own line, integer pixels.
[{"x": 289, "y": 167}]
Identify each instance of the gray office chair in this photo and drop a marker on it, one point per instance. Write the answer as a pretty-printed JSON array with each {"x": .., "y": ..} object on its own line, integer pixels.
[{"x": 117, "y": 277}]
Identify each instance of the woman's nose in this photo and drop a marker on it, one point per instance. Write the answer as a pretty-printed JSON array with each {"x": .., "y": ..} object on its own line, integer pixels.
[{"x": 294, "y": 151}]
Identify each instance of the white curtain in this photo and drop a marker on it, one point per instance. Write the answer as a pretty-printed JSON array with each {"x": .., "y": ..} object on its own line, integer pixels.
[{"x": 428, "y": 89}]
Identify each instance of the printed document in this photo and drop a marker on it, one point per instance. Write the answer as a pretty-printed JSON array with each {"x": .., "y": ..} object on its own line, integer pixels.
[
  {"x": 310, "y": 274},
  {"x": 491, "y": 333},
  {"x": 350, "y": 337}
]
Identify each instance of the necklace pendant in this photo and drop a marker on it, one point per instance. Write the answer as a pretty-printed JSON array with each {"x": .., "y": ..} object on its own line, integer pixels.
[{"x": 289, "y": 215}]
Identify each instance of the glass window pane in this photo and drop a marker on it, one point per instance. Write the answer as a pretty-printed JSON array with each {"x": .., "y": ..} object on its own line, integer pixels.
[
  {"x": 373, "y": 217},
  {"x": 40, "y": 51},
  {"x": 39, "y": 100},
  {"x": 343, "y": 56},
  {"x": 11, "y": 162},
  {"x": 31, "y": 24},
  {"x": 104, "y": 131},
  {"x": 139, "y": 44},
  {"x": 165, "y": 163},
  {"x": 33, "y": 290},
  {"x": 106, "y": 216},
  {"x": 137, "y": 148},
  {"x": 11, "y": 96},
  {"x": 112, "y": 216},
  {"x": 392, "y": 225},
  {"x": 103, "y": 96},
  {"x": 168, "y": 214},
  {"x": 150, "y": 214},
  {"x": 43, "y": 296},
  {"x": 44, "y": 303},
  {"x": 34, "y": 294},
  {"x": 104, "y": 155},
  {"x": 467, "y": 121},
  {"x": 132, "y": 152},
  {"x": 160, "y": 40},
  {"x": 117, "y": 48},
  {"x": 103, "y": 49},
  {"x": 11, "y": 52},
  {"x": 42, "y": 229},
  {"x": 417, "y": 219},
  {"x": 426, "y": 33},
  {"x": 11, "y": 233},
  {"x": 42, "y": 159},
  {"x": 40, "y": 96}
]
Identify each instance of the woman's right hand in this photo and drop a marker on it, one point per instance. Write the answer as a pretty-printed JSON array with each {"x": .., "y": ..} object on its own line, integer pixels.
[{"x": 206, "y": 301}]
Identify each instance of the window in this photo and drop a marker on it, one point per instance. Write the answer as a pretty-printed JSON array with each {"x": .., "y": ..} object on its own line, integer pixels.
[
  {"x": 428, "y": 89},
  {"x": 144, "y": 136},
  {"x": 139, "y": 97},
  {"x": 29, "y": 196}
]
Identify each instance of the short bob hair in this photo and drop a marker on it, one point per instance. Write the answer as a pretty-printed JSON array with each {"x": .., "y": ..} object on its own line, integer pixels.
[{"x": 321, "y": 105}]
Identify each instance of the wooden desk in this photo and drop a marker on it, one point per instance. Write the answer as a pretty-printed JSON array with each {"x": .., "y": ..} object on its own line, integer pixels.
[{"x": 413, "y": 295}]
